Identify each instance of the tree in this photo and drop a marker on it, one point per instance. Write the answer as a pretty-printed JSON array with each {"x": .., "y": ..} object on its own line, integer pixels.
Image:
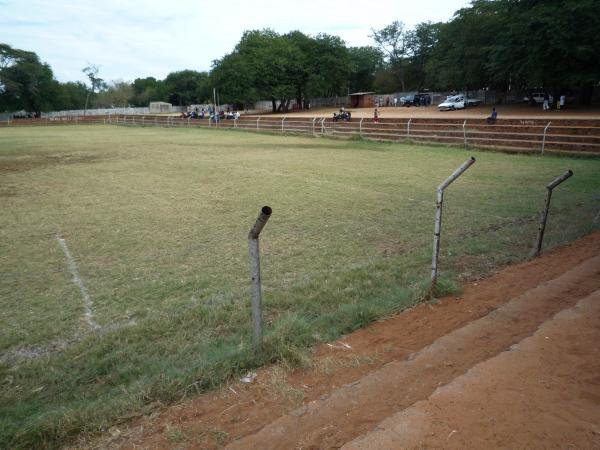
[
  {"x": 330, "y": 67},
  {"x": 235, "y": 80},
  {"x": 25, "y": 82},
  {"x": 97, "y": 83},
  {"x": 117, "y": 94},
  {"x": 181, "y": 88},
  {"x": 70, "y": 95},
  {"x": 263, "y": 65},
  {"x": 146, "y": 90},
  {"x": 392, "y": 40},
  {"x": 551, "y": 44},
  {"x": 266, "y": 65},
  {"x": 421, "y": 43},
  {"x": 366, "y": 63}
]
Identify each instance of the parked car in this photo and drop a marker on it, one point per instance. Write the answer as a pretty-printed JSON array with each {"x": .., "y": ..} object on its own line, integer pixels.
[
  {"x": 452, "y": 102},
  {"x": 472, "y": 102},
  {"x": 537, "y": 97},
  {"x": 418, "y": 99}
]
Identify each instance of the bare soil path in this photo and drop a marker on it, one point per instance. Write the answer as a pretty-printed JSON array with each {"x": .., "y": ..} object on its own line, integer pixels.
[
  {"x": 396, "y": 365},
  {"x": 544, "y": 393},
  {"x": 478, "y": 112}
]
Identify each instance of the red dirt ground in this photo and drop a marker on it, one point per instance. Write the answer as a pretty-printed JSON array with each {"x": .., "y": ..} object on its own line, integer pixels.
[
  {"x": 543, "y": 393},
  {"x": 478, "y": 112},
  {"x": 402, "y": 360}
]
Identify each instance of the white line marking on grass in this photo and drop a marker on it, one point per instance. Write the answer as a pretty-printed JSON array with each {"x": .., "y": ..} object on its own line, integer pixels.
[
  {"x": 35, "y": 351},
  {"x": 87, "y": 301}
]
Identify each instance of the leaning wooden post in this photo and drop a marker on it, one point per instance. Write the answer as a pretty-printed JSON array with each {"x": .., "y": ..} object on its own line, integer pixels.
[
  {"x": 437, "y": 230},
  {"x": 254, "y": 254},
  {"x": 544, "y": 217}
]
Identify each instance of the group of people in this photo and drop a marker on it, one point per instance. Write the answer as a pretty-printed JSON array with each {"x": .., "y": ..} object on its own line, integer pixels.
[
  {"x": 212, "y": 114},
  {"x": 344, "y": 115},
  {"x": 28, "y": 115},
  {"x": 193, "y": 114},
  {"x": 547, "y": 101},
  {"x": 560, "y": 104}
]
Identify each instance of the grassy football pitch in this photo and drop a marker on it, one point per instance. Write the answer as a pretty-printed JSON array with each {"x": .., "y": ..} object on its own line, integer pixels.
[{"x": 123, "y": 254}]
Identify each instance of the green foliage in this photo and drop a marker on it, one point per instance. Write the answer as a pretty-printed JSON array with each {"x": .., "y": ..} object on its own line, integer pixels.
[
  {"x": 70, "y": 95},
  {"x": 421, "y": 43},
  {"x": 25, "y": 82},
  {"x": 266, "y": 65},
  {"x": 366, "y": 63},
  {"x": 552, "y": 43},
  {"x": 523, "y": 44},
  {"x": 185, "y": 87},
  {"x": 393, "y": 41},
  {"x": 117, "y": 94},
  {"x": 146, "y": 90}
]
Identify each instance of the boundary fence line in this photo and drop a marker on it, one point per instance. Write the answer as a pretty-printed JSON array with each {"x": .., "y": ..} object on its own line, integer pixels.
[{"x": 581, "y": 136}]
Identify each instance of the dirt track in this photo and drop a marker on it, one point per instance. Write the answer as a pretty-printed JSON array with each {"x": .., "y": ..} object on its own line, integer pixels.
[
  {"x": 445, "y": 371},
  {"x": 478, "y": 112},
  {"x": 544, "y": 393}
]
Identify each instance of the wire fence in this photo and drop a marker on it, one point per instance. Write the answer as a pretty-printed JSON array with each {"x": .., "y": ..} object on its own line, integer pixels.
[{"x": 536, "y": 135}]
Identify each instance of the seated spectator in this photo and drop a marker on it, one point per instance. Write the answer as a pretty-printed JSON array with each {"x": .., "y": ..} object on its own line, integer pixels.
[{"x": 492, "y": 118}]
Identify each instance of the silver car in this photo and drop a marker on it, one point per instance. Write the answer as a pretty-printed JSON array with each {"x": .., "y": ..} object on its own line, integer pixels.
[{"x": 451, "y": 103}]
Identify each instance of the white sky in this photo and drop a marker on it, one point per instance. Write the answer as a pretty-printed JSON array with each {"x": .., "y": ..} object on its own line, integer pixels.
[{"x": 132, "y": 39}]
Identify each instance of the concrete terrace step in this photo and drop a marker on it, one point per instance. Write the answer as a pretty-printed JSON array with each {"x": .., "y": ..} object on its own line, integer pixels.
[
  {"x": 580, "y": 136},
  {"x": 498, "y": 402},
  {"x": 356, "y": 408}
]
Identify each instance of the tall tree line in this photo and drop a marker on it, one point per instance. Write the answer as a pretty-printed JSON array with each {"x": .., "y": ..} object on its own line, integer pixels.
[{"x": 497, "y": 44}]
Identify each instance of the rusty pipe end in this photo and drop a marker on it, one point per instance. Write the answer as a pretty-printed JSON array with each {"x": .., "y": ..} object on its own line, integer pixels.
[
  {"x": 560, "y": 179},
  {"x": 261, "y": 220}
]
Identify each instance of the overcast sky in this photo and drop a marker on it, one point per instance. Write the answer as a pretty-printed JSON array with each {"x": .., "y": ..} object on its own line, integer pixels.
[{"x": 131, "y": 39}]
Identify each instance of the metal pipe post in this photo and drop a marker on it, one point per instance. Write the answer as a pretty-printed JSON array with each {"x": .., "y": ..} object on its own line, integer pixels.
[
  {"x": 437, "y": 230},
  {"x": 360, "y": 126},
  {"x": 544, "y": 217},
  {"x": 465, "y": 132},
  {"x": 544, "y": 138},
  {"x": 254, "y": 254},
  {"x": 408, "y": 128}
]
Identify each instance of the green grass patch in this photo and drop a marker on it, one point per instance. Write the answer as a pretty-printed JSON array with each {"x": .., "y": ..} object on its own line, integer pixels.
[{"x": 156, "y": 221}]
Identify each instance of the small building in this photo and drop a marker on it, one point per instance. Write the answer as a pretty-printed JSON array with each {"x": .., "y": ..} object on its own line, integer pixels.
[
  {"x": 362, "y": 100},
  {"x": 160, "y": 107}
]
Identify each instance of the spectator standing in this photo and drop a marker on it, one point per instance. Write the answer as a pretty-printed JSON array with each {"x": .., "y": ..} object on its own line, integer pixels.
[
  {"x": 561, "y": 103},
  {"x": 546, "y": 105},
  {"x": 376, "y": 116}
]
